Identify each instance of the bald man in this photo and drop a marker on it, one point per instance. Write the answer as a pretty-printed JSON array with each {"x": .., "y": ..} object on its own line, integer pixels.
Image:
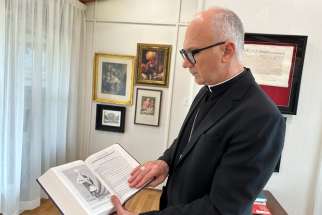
[{"x": 232, "y": 136}]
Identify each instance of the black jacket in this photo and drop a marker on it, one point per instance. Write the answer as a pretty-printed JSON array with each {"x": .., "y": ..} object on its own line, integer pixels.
[{"x": 230, "y": 157}]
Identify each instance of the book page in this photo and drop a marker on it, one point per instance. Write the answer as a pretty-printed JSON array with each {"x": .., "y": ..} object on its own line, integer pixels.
[
  {"x": 60, "y": 195},
  {"x": 113, "y": 165},
  {"x": 87, "y": 188}
]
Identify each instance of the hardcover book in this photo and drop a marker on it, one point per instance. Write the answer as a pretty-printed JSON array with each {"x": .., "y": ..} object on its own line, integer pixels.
[
  {"x": 260, "y": 209},
  {"x": 86, "y": 187}
]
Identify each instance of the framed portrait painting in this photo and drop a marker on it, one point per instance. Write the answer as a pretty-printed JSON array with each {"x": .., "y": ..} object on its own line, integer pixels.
[
  {"x": 113, "y": 78},
  {"x": 110, "y": 118},
  {"x": 276, "y": 62},
  {"x": 147, "y": 108},
  {"x": 153, "y": 64}
]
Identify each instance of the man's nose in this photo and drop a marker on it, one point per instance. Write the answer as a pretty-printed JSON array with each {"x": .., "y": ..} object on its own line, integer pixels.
[{"x": 186, "y": 64}]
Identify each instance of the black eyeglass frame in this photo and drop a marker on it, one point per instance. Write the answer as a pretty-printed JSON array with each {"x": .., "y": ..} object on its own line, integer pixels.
[{"x": 190, "y": 55}]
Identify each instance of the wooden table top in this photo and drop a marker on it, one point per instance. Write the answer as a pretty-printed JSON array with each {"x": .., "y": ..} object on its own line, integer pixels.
[{"x": 273, "y": 205}]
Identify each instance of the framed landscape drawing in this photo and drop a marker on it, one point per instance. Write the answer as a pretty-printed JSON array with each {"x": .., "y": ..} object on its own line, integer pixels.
[
  {"x": 153, "y": 64},
  {"x": 276, "y": 62},
  {"x": 147, "y": 108},
  {"x": 110, "y": 118},
  {"x": 113, "y": 78}
]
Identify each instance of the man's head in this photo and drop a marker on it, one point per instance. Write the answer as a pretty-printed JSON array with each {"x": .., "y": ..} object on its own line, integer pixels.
[
  {"x": 150, "y": 55},
  {"x": 213, "y": 46}
]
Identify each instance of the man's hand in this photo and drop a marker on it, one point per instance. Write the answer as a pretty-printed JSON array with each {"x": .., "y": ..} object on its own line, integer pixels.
[
  {"x": 119, "y": 209},
  {"x": 154, "y": 171}
]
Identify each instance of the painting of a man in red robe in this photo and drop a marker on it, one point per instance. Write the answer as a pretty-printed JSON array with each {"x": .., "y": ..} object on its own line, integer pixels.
[{"x": 152, "y": 65}]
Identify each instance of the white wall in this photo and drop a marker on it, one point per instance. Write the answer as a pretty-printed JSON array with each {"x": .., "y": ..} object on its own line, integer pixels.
[{"x": 116, "y": 26}]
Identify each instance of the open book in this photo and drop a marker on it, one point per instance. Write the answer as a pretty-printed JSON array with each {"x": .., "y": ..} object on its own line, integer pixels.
[{"x": 86, "y": 187}]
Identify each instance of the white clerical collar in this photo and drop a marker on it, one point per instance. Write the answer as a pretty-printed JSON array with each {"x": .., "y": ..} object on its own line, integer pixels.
[{"x": 220, "y": 83}]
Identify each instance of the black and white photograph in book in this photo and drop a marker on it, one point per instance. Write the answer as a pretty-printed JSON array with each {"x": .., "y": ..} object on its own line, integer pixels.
[
  {"x": 147, "y": 108},
  {"x": 110, "y": 118},
  {"x": 86, "y": 184}
]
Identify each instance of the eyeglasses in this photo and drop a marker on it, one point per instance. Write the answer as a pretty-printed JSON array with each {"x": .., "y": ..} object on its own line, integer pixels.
[{"x": 190, "y": 54}]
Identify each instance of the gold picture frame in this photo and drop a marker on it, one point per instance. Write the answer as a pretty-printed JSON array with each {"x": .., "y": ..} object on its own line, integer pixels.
[
  {"x": 113, "y": 80},
  {"x": 153, "y": 64}
]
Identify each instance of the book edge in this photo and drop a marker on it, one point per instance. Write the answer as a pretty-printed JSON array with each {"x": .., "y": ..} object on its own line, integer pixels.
[{"x": 52, "y": 200}]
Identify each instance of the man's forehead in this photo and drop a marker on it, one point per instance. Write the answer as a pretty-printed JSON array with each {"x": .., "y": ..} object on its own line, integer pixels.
[{"x": 198, "y": 33}]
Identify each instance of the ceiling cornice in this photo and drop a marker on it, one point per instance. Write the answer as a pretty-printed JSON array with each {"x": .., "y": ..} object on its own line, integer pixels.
[{"x": 86, "y": 1}]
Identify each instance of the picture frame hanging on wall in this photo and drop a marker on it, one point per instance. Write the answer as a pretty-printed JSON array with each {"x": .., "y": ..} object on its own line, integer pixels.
[
  {"x": 113, "y": 80},
  {"x": 276, "y": 62},
  {"x": 153, "y": 64},
  {"x": 148, "y": 107},
  {"x": 110, "y": 118}
]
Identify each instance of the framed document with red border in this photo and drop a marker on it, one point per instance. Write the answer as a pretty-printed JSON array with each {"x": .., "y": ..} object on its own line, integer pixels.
[{"x": 276, "y": 62}]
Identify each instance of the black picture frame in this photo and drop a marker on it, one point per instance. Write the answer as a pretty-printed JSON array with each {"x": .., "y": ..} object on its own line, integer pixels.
[
  {"x": 277, "y": 167},
  {"x": 148, "y": 107},
  {"x": 286, "y": 98},
  {"x": 110, "y": 118}
]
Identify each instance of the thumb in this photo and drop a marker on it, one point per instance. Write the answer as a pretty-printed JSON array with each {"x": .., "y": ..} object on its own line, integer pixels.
[{"x": 117, "y": 204}]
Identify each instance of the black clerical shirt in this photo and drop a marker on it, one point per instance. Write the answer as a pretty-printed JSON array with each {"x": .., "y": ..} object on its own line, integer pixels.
[{"x": 212, "y": 96}]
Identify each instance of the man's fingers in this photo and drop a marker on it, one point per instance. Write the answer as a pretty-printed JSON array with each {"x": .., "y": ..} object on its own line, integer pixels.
[
  {"x": 117, "y": 204},
  {"x": 136, "y": 180},
  {"x": 146, "y": 178},
  {"x": 142, "y": 178},
  {"x": 138, "y": 175},
  {"x": 135, "y": 170},
  {"x": 152, "y": 171},
  {"x": 134, "y": 175}
]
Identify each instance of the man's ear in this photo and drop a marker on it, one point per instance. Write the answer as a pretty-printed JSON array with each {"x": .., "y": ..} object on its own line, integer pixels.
[{"x": 229, "y": 52}]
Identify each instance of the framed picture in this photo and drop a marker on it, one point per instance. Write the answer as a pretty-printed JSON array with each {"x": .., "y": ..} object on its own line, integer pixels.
[
  {"x": 110, "y": 118},
  {"x": 276, "y": 62},
  {"x": 277, "y": 167},
  {"x": 113, "y": 78},
  {"x": 153, "y": 64},
  {"x": 147, "y": 108}
]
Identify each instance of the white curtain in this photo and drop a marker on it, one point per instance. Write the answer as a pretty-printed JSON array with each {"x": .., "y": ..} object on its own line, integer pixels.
[{"x": 40, "y": 68}]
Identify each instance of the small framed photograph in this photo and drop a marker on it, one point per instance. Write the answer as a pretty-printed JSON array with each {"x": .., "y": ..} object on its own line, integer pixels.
[
  {"x": 147, "y": 108},
  {"x": 110, "y": 118},
  {"x": 276, "y": 62},
  {"x": 153, "y": 64},
  {"x": 113, "y": 78}
]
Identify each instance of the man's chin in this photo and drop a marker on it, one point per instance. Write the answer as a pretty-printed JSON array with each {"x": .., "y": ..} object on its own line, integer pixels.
[{"x": 198, "y": 81}]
